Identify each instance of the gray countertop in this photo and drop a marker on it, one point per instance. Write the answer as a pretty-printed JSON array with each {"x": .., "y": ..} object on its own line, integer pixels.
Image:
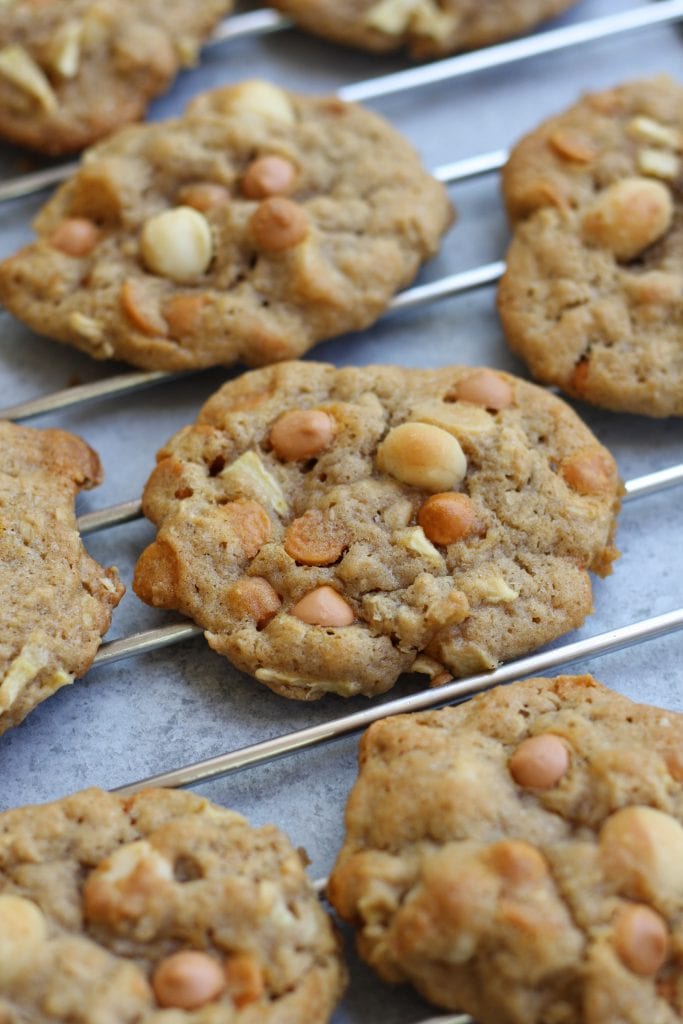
[{"x": 162, "y": 710}]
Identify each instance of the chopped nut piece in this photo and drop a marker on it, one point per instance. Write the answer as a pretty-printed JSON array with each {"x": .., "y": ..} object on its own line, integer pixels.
[
  {"x": 248, "y": 471},
  {"x": 414, "y": 539},
  {"x": 423, "y": 456},
  {"x": 177, "y": 244},
  {"x": 589, "y": 471},
  {"x": 18, "y": 66},
  {"x": 250, "y": 523},
  {"x": 628, "y": 216},
  {"x": 245, "y": 979},
  {"x": 253, "y": 97},
  {"x": 65, "y": 49},
  {"x": 188, "y": 980}
]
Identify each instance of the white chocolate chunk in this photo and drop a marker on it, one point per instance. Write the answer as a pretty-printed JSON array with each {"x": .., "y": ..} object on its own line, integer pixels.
[
  {"x": 488, "y": 585},
  {"x": 461, "y": 419},
  {"x": 258, "y": 97},
  {"x": 414, "y": 539},
  {"x": 18, "y": 66},
  {"x": 391, "y": 16},
  {"x": 177, "y": 244},
  {"x": 251, "y": 476}
]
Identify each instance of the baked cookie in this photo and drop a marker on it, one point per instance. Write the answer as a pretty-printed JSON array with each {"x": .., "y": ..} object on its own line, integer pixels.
[
  {"x": 253, "y": 227},
  {"x": 331, "y": 529},
  {"x": 426, "y": 28},
  {"x": 156, "y": 909},
  {"x": 593, "y": 294},
  {"x": 74, "y": 70},
  {"x": 520, "y": 857},
  {"x": 55, "y": 600}
]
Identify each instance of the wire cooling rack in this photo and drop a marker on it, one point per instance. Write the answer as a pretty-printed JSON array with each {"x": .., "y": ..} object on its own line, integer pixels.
[{"x": 159, "y": 703}]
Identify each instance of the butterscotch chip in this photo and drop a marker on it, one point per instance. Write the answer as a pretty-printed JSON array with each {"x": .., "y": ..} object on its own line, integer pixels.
[
  {"x": 298, "y": 525},
  {"x": 556, "y": 898},
  {"x": 73, "y": 71},
  {"x": 160, "y": 906},
  {"x": 591, "y": 298},
  {"x": 191, "y": 224},
  {"x": 426, "y": 28},
  {"x": 56, "y": 601}
]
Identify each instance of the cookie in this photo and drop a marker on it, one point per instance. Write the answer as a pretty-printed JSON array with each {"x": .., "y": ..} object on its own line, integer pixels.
[
  {"x": 592, "y": 298},
  {"x": 331, "y": 529},
  {"x": 426, "y": 28},
  {"x": 162, "y": 907},
  {"x": 72, "y": 72},
  {"x": 520, "y": 857},
  {"x": 253, "y": 227},
  {"x": 55, "y": 600}
]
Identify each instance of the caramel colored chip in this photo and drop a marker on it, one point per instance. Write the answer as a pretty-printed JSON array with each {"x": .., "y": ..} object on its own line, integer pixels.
[
  {"x": 278, "y": 224},
  {"x": 245, "y": 979},
  {"x": 539, "y": 762},
  {"x": 302, "y": 434},
  {"x": 142, "y": 308},
  {"x": 590, "y": 471},
  {"x": 447, "y": 517},
  {"x": 188, "y": 980},
  {"x": 313, "y": 540},
  {"x": 324, "y": 607},
  {"x": 641, "y": 939},
  {"x": 269, "y": 176},
  {"x": 486, "y": 388},
  {"x": 253, "y": 597},
  {"x": 204, "y": 196},
  {"x": 75, "y": 236},
  {"x": 573, "y": 145},
  {"x": 250, "y": 522},
  {"x": 183, "y": 314}
]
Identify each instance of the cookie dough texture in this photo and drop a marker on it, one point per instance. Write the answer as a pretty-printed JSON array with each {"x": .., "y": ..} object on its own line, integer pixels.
[
  {"x": 72, "y": 71},
  {"x": 521, "y": 904},
  {"x": 593, "y": 294},
  {"x": 56, "y": 601},
  {"x": 426, "y": 28},
  {"x": 251, "y": 228},
  {"x": 297, "y": 524},
  {"x": 102, "y": 897}
]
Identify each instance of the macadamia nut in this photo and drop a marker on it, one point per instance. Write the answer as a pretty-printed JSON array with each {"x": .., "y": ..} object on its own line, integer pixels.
[
  {"x": 628, "y": 216},
  {"x": 177, "y": 244},
  {"x": 423, "y": 456},
  {"x": 22, "y": 930}
]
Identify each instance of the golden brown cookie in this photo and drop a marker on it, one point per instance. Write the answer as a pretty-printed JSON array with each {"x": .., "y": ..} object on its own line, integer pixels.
[
  {"x": 520, "y": 857},
  {"x": 427, "y": 28},
  {"x": 593, "y": 294},
  {"x": 55, "y": 600},
  {"x": 72, "y": 71},
  {"x": 159, "y": 908},
  {"x": 253, "y": 227},
  {"x": 330, "y": 529}
]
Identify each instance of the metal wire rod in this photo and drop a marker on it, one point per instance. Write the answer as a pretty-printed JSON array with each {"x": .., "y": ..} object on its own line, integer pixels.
[
  {"x": 551, "y": 41},
  {"x": 128, "y": 511},
  {"x": 454, "y": 284},
  {"x": 282, "y": 746},
  {"x": 251, "y": 23}
]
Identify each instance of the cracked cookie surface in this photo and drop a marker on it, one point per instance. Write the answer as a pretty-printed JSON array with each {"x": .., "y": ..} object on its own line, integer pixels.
[
  {"x": 520, "y": 856},
  {"x": 592, "y": 298},
  {"x": 330, "y": 529},
  {"x": 56, "y": 600},
  {"x": 160, "y": 907},
  {"x": 72, "y": 71},
  {"x": 426, "y": 28},
  {"x": 256, "y": 225}
]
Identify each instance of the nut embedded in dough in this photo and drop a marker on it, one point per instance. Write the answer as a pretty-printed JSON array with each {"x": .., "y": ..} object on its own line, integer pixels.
[
  {"x": 423, "y": 456},
  {"x": 177, "y": 244},
  {"x": 629, "y": 216}
]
